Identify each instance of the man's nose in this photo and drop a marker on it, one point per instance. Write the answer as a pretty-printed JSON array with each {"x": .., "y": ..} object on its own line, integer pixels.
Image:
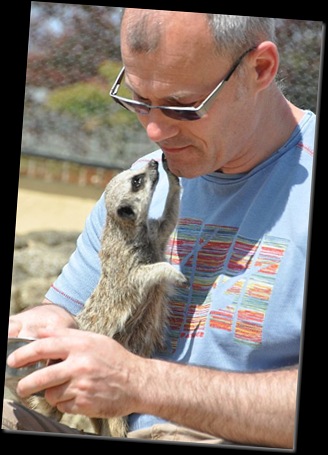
[{"x": 158, "y": 126}]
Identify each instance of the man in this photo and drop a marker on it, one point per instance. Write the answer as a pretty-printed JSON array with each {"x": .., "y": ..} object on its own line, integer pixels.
[{"x": 203, "y": 86}]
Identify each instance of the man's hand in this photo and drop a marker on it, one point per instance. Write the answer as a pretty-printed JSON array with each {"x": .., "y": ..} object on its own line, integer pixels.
[
  {"x": 97, "y": 377},
  {"x": 29, "y": 322},
  {"x": 89, "y": 375}
]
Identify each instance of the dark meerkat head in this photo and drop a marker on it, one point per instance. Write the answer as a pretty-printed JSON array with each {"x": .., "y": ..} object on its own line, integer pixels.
[{"x": 128, "y": 194}]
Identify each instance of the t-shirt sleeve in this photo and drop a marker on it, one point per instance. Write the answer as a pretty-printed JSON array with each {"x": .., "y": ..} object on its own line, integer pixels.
[{"x": 81, "y": 274}]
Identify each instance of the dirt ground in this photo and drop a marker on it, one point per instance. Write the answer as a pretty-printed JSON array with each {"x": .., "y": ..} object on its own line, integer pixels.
[
  {"x": 53, "y": 206},
  {"x": 43, "y": 206}
]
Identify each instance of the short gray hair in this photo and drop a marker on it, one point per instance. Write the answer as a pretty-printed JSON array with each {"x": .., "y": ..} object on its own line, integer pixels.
[{"x": 235, "y": 34}]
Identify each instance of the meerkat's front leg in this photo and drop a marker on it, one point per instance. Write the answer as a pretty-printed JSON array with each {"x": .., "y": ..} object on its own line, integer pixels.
[
  {"x": 160, "y": 272},
  {"x": 170, "y": 215}
]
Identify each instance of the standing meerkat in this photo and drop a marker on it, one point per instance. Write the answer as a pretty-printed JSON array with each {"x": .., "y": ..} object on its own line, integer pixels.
[{"x": 130, "y": 301}]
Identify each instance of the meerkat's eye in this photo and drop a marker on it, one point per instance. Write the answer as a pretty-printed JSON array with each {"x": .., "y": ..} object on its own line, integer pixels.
[{"x": 137, "y": 182}]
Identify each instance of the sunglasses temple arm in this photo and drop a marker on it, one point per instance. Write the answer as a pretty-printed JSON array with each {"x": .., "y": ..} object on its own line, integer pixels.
[{"x": 237, "y": 63}]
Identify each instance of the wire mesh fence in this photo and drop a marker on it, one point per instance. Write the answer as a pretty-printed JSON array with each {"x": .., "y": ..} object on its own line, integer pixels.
[{"x": 73, "y": 58}]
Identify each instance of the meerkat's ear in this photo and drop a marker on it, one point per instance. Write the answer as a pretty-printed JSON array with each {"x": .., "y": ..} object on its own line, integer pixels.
[{"x": 126, "y": 211}]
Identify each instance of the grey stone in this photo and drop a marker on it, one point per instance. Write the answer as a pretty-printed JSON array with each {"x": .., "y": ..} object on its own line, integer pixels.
[{"x": 38, "y": 259}]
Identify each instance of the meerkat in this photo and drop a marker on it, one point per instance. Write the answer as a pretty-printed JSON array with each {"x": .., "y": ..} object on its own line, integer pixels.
[{"x": 130, "y": 301}]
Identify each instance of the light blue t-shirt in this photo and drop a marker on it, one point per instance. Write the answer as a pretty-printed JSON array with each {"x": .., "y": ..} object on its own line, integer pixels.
[{"x": 242, "y": 241}]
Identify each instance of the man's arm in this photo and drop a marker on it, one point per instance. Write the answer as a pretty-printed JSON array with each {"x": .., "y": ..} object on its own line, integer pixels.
[
  {"x": 107, "y": 381},
  {"x": 250, "y": 408}
]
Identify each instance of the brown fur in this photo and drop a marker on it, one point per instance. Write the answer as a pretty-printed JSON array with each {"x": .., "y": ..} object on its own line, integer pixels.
[{"x": 129, "y": 303}]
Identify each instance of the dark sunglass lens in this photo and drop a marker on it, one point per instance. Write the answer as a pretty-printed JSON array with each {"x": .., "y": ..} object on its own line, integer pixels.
[
  {"x": 181, "y": 114},
  {"x": 139, "y": 109},
  {"x": 133, "y": 107}
]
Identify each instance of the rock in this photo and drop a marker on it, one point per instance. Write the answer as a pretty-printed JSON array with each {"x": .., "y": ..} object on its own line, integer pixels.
[
  {"x": 38, "y": 259},
  {"x": 29, "y": 292}
]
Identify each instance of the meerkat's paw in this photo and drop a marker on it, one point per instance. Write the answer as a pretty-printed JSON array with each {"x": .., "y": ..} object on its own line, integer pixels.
[
  {"x": 164, "y": 161},
  {"x": 182, "y": 280},
  {"x": 167, "y": 170},
  {"x": 178, "y": 278}
]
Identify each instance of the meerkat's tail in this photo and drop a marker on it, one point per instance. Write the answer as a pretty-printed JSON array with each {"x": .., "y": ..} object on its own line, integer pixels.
[
  {"x": 118, "y": 427},
  {"x": 115, "y": 427}
]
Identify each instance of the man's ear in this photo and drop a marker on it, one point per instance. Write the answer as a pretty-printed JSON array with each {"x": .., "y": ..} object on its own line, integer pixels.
[{"x": 265, "y": 61}]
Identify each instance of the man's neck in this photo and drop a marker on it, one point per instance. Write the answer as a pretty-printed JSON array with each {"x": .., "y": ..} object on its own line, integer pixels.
[{"x": 272, "y": 132}]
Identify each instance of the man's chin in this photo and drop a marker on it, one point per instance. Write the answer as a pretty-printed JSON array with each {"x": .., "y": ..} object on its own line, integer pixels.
[{"x": 183, "y": 167}]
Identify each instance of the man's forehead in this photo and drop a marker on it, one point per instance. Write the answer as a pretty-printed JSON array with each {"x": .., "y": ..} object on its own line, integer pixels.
[
  {"x": 170, "y": 92},
  {"x": 148, "y": 30},
  {"x": 158, "y": 17}
]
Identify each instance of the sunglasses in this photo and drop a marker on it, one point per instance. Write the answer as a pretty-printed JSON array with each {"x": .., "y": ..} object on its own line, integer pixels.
[{"x": 177, "y": 113}]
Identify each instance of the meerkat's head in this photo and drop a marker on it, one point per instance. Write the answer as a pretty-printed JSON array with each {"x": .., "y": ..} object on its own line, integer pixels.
[{"x": 128, "y": 194}]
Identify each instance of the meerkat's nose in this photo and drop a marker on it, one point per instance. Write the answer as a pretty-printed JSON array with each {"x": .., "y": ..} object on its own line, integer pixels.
[{"x": 153, "y": 164}]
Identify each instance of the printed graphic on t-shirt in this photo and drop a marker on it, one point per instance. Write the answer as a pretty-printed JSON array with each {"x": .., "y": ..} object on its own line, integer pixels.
[{"x": 233, "y": 278}]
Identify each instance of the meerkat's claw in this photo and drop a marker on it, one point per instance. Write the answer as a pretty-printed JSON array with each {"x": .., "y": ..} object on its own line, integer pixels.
[
  {"x": 184, "y": 282},
  {"x": 164, "y": 161}
]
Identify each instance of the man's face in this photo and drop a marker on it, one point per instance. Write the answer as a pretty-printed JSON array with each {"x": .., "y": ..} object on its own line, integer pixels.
[{"x": 182, "y": 71}]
